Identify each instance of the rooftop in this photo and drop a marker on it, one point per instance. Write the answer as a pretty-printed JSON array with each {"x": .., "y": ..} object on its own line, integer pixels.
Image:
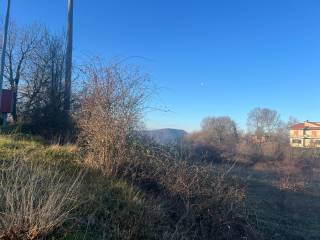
[{"x": 306, "y": 125}]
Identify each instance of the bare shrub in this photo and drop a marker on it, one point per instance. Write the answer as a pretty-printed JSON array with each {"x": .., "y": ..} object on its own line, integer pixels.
[
  {"x": 248, "y": 152},
  {"x": 307, "y": 163},
  {"x": 34, "y": 200},
  {"x": 216, "y": 141},
  {"x": 111, "y": 106},
  {"x": 210, "y": 204},
  {"x": 292, "y": 183},
  {"x": 202, "y": 200},
  {"x": 220, "y": 132},
  {"x": 198, "y": 149}
]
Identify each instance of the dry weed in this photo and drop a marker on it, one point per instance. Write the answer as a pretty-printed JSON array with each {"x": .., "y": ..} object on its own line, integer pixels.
[{"x": 34, "y": 199}]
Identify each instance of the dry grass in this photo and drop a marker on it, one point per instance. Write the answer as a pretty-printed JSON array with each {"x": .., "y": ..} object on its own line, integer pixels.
[
  {"x": 201, "y": 200},
  {"x": 291, "y": 183},
  {"x": 283, "y": 186},
  {"x": 35, "y": 200},
  {"x": 102, "y": 207}
]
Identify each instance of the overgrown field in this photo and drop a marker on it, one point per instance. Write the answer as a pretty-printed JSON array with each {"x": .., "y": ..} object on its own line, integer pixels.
[
  {"x": 48, "y": 192},
  {"x": 104, "y": 208}
]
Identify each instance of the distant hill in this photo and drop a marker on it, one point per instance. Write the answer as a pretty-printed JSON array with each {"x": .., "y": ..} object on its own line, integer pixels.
[{"x": 166, "y": 135}]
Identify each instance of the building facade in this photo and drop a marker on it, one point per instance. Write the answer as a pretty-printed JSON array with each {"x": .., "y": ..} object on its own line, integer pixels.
[{"x": 305, "y": 134}]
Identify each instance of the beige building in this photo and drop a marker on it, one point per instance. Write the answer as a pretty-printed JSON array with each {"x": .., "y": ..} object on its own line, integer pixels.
[{"x": 305, "y": 134}]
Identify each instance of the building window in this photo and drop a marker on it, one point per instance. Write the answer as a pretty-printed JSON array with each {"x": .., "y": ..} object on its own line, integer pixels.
[
  {"x": 298, "y": 141},
  {"x": 317, "y": 142},
  {"x": 296, "y": 133},
  {"x": 314, "y": 133}
]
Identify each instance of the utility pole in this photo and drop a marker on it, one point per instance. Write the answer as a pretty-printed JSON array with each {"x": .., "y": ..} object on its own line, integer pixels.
[
  {"x": 3, "y": 54},
  {"x": 68, "y": 76}
]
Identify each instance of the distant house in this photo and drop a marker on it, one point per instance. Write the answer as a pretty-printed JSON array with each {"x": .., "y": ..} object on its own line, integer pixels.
[{"x": 305, "y": 134}]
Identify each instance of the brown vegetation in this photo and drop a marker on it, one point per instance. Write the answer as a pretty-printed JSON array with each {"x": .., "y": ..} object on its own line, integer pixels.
[
  {"x": 110, "y": 109},
  {"x": 35, "y": 200},
  {"x": 200, "y": 202}
]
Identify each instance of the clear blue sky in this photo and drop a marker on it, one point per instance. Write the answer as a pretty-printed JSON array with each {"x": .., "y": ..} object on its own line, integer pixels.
[{"x": 208, "y": 57}]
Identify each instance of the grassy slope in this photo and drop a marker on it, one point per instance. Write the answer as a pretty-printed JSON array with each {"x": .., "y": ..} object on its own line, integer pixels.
[
  {"x": 109, "y": 207},
  {"x": 117, "y": 210}
]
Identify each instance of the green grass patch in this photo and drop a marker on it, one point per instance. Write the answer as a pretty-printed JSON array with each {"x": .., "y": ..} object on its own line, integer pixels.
[{"x": 109, "y": 208}]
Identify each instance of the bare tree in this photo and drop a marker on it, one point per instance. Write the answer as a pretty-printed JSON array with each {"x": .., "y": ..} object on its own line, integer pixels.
[
  {"x": 263, "y": 122},
  {"x": 291, "y": 121},
  {"x": 43, "y": 81},
  {"x": 220, "y": 130},
  {"x": 283, "y": 129},
  {"x": 111, "y": 107},
  {"x": 42, "y": 88},
  {"x": 22, "y": 43}
]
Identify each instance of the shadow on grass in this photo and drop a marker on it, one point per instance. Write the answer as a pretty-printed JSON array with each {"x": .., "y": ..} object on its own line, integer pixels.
[{"x": 283, "y": 214}]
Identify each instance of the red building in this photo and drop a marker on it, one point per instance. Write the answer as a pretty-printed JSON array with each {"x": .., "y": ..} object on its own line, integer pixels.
[{"x": 6, "y": 101}]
